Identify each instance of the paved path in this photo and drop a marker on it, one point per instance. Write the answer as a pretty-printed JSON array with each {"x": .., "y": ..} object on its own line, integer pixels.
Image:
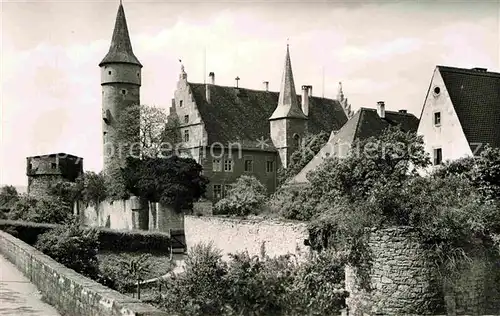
[{"x": 18, "y": 296}]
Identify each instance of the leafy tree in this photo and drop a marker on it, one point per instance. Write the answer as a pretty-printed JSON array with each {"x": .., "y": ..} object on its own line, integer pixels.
[
  {"x": 8, "y": 197},
  {"x": 246, "y": 196},
  {"x": 296, "y": 202},
  {"x": 174, "y": 181},
  {"x": 92, "y": 187},
  {"x": 73, "y": 246},
  {"x": 310, "y": 146},
  {"x": 41, "y": 210}
]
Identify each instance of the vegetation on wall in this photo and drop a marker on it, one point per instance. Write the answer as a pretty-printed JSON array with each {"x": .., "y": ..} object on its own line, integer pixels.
[
  {"x": 377, "y": 186},
  {"x": 310, "y": 146},
  {"x": 255, "y": 285},
  {"x": 246, "y": 196}
]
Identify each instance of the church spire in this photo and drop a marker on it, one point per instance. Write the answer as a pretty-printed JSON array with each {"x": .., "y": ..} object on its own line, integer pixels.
[
  {"x": 120, "y": 50},
  {"x": 288, "y": 104}
]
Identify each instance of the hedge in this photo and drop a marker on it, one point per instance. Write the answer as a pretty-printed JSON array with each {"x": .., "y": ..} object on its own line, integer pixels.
[{"x": 109, "y": 239}]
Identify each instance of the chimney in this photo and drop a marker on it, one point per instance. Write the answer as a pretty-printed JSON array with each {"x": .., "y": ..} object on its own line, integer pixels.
[
  {"x": 207, "y": 86},
  {"x": 266, "y": 85},
  {"x": 381, "y": 109},
  {"x": 480, "y": 69},
  {"x": 403, "y": 111},
  {"x": 305, "y": 100}
]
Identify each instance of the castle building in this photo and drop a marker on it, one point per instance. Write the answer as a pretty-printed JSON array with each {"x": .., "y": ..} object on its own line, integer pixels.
[
  {"x": 365, "y": 123},
  {"x": 461, "y": 113},
  {"x": 121, "y": 83},
  {"x": 233, "y": 131},
  {"x": 45, "y": 170}
]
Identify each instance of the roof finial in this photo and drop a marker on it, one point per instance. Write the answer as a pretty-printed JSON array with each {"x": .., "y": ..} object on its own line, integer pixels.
[{"x": 120, "y": 2}]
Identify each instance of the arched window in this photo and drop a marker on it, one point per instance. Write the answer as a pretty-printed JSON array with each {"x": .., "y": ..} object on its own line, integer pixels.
[{"x": 296, "y": 139}]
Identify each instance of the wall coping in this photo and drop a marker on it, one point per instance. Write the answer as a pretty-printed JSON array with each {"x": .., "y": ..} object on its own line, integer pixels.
[
  {"x": 249, "y": 220},
  {"x": 125, "y": 304}
]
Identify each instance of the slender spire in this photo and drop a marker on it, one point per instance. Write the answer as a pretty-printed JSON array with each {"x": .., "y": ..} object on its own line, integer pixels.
[
  {"x": 340, "y": 93},
  {"x": 120, "y": 50},
  {"x": 288, "y": 104}
]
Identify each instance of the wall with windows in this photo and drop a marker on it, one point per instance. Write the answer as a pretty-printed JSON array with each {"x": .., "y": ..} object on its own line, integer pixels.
[
  {"x": 443, "y": 135},
  {"x": 224, "y": 167}
]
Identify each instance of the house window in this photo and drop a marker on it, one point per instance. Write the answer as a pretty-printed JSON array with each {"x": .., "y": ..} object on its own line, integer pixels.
[
  {"x": 438, "y": 156},
  {"x": 180, "y": 103},
  {"x": 296, "y": 139},
  {"x": 217, "y": 165},
  {"x": 109, "y": 72},
  {"x": 227, "y": 188},
  {"x": 186, "y": 119},
  {"x": 53, "y": 165},
  {"x": 186, "y": 135},
  {"x": 270, "y": 166},
  {"x": 437, "y": 91},
  {"x": 228, "y": 165},
  {"x": 437, "y": 118},
  {"x": 217, "y": 191},
  {"x": 248, "y": 164}
]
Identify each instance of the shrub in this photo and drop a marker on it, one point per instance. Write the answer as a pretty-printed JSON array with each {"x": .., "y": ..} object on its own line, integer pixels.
[
  {"x": 295, "y": 202},
  {"x": 72, "y": 246},
  {"x": 41, "y": 210},
  {"x": 26, "y": 231},
  {"x": 247, "y": 196},
  {"x": 200, "y": 289}
]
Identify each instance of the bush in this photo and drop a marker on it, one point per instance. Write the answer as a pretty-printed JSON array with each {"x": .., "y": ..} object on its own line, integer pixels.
[
  {"x": 295, "y": 202},
  {"x": 247, "y": 196},
  {"x": 51, "y": 210},
  {"x": 108, "y": 239},
  {"x": 256, "y": 285},
  {"x": 72, "y": 246}
]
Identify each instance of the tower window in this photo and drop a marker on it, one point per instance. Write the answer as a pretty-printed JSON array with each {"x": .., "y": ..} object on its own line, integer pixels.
[
  {"x": 180, "y": 103},
  {"x": 438, "y": 156},
  {"x": 138, "y": 74},
  {"x": 186, "y": 119},
  {"x": 437, "y": 118},
  {"x": 186, "y": 135},
  {"x": 296, "y": 139},
  {"x": 124, "y": 91},
  {"x": 109, "y": 72},
  {"x": 53, "y": 165}
]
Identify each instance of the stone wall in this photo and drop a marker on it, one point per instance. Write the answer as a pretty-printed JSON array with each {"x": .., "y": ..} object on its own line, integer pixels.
[
  {"x": 68, "y": 291},
  {"x": 253, "y": 235},
  {"x": 403, "y": 279},
  {"x": 38, "y": 186}
]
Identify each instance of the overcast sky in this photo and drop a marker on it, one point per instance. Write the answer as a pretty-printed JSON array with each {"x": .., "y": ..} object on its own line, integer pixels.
[{"x": 51, "y": 98}]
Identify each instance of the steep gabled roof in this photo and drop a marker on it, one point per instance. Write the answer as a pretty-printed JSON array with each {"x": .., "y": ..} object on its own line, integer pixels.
[
  {"x": 120, "y": 50},
  {"x": 364, "y": 124},
  {"x": 241, "y": 115},
  {"x": 475, "y": 95}
]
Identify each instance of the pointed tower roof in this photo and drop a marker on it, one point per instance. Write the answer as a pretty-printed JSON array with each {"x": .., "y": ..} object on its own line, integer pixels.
[
  {"x": 288, "y": 103},
  {"x": 120, "y": 50}
]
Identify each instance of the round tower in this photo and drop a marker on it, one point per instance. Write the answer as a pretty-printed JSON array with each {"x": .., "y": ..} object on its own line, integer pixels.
[{"x": 120, "y": 82}]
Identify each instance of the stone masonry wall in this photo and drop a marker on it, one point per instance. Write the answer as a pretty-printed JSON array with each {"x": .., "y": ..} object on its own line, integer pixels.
[
  {"x": 38, "y": 186},
  {"x": 402, "y": 279},
  {"x": 68, "y": 291},
  {"x": 236, "y": 235}
]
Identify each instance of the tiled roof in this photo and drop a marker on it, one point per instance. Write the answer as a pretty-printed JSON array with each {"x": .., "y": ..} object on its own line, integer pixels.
[
  {"x": 238, "y": 114},
  {"x": 120, "y": 50},
  {"x": 364, "y": 124},
  {"x": 475, "y": 95}
]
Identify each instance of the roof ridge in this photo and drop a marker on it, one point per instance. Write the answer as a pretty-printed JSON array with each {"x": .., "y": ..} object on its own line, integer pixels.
[
  {"x": 256, "y": 90},
  {"x": 469, "y": 71}
]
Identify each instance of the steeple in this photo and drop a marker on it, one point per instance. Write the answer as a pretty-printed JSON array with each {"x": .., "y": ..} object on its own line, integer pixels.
[
  {"x": 120, "y": 50},
  {"x": 288, "y": 104}
]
